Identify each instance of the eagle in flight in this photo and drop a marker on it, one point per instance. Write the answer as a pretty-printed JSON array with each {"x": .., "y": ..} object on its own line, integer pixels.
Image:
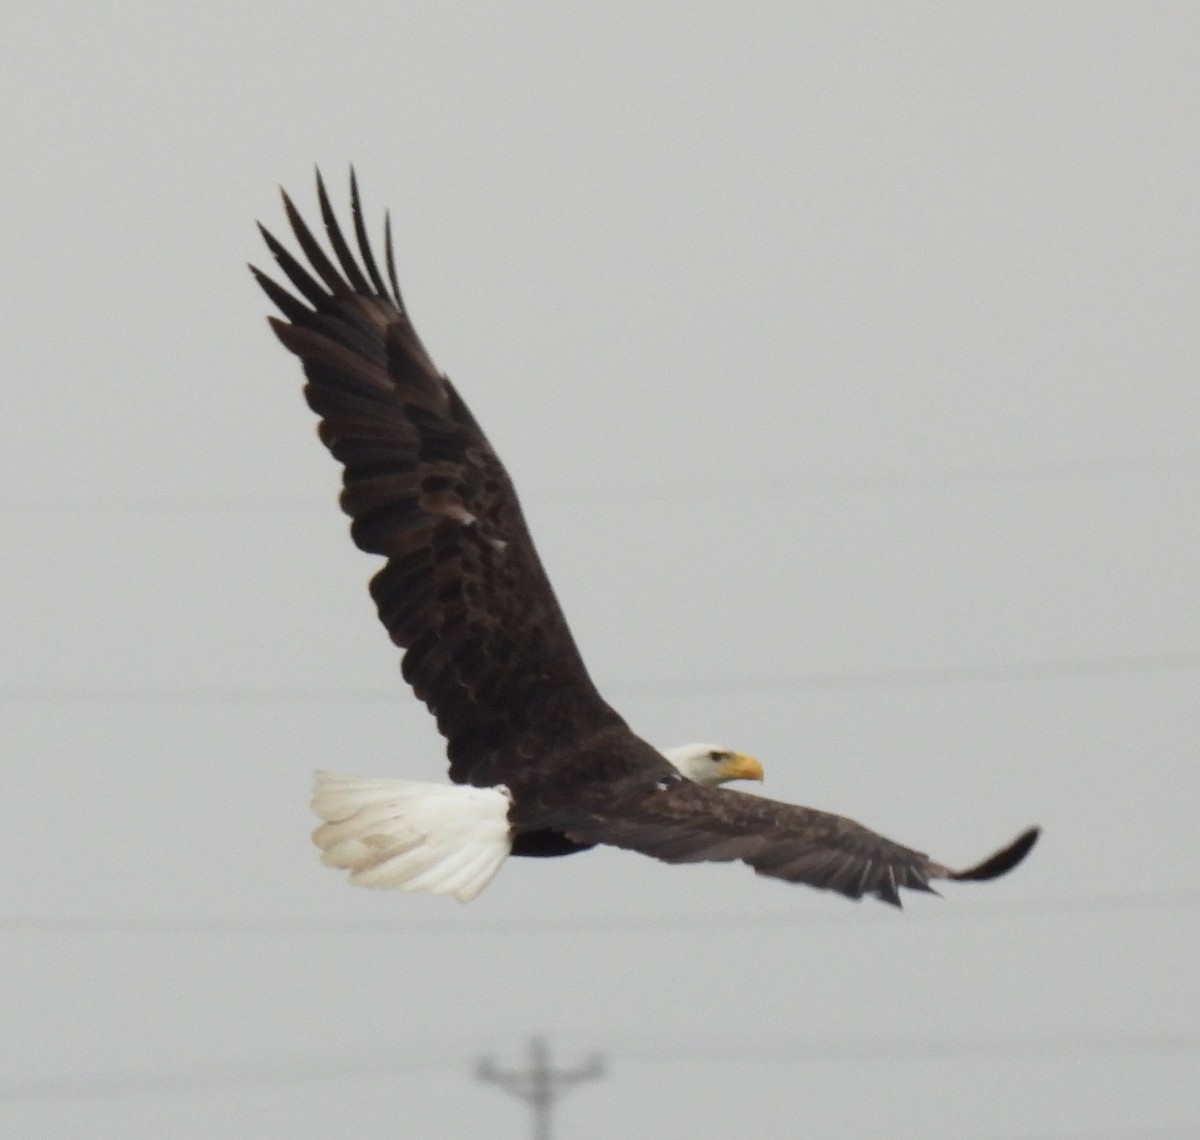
[{"x": 540, "y": 764}]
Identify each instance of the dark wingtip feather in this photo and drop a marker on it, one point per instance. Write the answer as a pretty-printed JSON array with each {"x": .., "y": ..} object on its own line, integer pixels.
[
  {"x": 296, "y": 273},
  {"x": 312, "y": 250},
  {"x": 1002, "y": 861},
  {"x": 920, "y": 883},
  {"x": 390, "y": 258},
  {"x": 283, "y": 330},
  {"x": 360, "y": 232},
  {"x": 890, "y": 895},
  {"x": 283, "y": 300},
  {"x": 341, "y": 249}
]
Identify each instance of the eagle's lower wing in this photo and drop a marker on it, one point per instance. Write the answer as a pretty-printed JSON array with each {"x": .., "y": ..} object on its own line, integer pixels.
[
  {"x": 463, "y": 591},
  {"x": 688, "y": 823}
]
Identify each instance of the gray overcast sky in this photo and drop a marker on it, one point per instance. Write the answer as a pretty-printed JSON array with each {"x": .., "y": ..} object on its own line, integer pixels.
[{"x": 844, "y": 356}]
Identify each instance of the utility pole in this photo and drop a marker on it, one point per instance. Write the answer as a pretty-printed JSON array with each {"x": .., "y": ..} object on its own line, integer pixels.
[{"x": 539, "y": 1086}]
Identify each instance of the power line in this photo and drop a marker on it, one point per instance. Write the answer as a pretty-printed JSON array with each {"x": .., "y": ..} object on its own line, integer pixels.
[
  {"x": 885, "y": 482},
  {"x": 1141, "y": 1134},
  {"x": 866, "y": 1049},
  {"x": 385, "y": 1063},
  {"x": 284, "y": 1070},
  {"x": 1132, "y": 664},
  {"x": 798, "y": 919},
  {"x": 935, "y": 675}
]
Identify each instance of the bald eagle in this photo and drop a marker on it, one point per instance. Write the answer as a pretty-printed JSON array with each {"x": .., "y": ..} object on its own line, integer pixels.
[{"x": 540, "y": 764}]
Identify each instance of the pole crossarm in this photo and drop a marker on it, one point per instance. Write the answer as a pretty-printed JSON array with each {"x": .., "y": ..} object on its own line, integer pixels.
[{"x": 539, "y": 1085}]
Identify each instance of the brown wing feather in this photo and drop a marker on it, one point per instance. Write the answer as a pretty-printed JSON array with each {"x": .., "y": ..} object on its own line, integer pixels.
[
  {"x": 463, "y": 591},
  {"x": 683, "y": 822}
]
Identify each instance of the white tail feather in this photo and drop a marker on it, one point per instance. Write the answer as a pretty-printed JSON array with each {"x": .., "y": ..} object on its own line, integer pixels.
[{"x": 449, "y": 839}]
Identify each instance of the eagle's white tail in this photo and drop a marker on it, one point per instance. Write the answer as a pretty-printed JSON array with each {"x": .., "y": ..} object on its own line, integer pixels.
[{"x": 449, "y": 839}]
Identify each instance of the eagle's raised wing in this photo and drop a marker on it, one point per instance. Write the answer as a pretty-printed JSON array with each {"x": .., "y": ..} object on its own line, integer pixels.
[
  {"x": 682, "y": 822},
  {"x": 463, "y": 591}
]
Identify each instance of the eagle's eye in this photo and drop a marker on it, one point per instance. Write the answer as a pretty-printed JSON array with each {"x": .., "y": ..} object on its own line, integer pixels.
[{"x": 715, "y": 756}]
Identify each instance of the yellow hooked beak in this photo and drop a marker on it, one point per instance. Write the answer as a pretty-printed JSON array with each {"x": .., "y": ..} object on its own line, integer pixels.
[{"x": 740, "y": 766}]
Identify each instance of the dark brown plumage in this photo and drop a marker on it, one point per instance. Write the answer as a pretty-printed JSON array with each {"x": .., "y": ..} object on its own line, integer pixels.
[{"x": 486, "y": 646}]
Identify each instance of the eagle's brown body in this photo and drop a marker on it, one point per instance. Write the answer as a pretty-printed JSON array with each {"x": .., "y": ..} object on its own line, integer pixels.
[{"x": 486, "y": 646}]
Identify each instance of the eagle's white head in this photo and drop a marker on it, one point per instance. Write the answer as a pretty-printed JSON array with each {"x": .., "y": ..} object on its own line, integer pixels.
[{"x": 711, "y": 764}]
